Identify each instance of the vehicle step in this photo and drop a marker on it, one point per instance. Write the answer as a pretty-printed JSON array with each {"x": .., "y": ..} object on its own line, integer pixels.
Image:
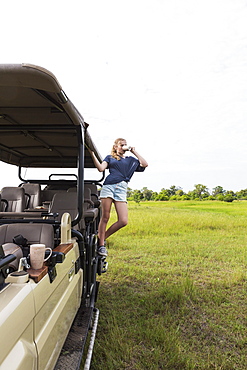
[
  {"x": 72, "y": 351},
  {"x": 102, "y": 265}
]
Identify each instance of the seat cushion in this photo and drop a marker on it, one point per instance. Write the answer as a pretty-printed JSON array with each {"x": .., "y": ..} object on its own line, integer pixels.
[{"x": 34, "y": 233}]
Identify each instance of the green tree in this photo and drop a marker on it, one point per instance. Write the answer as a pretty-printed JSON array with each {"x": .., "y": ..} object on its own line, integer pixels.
[
  {"x": 163, "y": 195},
  {"x": 179, "y": 192},
  {"x": 129, "y": 193},
  {"x": 229, "y": 196},
  {"x": 154, "y": 195},
  {"x": 147, "y": 194},
  {"x": 218, "y": 190},
  {"x": 137, "y": 196},
  {"x": 174, "y": 189},
  {"x": 242, "y": 194},
  {"x": 200, "y": 192}
]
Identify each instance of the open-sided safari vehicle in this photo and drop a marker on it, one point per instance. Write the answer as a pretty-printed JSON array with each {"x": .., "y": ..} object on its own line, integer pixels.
[{"x": 46, "y": 314}]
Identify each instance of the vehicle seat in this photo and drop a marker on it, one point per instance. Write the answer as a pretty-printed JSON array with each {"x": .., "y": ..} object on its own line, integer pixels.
[
  {"x": 64, "y": 202},
  {"x": 34, "y": 194},
  {"x": 94, "y": 194},
  {"x": 47, "y": 196},
  {"x": 15, "y": 197},
  {"x": 34, "y": 233},
  {"x": 90, "y": 212}
]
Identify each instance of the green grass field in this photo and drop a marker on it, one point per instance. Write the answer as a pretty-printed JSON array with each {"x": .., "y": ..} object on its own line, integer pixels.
[{"x": 174, "y": 296}]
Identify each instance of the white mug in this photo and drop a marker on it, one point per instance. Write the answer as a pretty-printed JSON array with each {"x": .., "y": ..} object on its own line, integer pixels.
[
  {"x": 37, "y": 255},
  {"x": 126, "y": 147}
]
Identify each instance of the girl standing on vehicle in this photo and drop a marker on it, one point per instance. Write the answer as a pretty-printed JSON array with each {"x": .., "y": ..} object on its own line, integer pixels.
[{"x": 114, "y": 189}]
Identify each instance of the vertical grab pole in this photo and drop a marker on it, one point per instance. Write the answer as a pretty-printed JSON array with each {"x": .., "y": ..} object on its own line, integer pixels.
[{"x": 80, "y": 179}]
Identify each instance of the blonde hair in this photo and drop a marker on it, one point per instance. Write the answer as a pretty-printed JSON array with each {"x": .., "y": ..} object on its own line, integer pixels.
[{"x": 113, "y": 151}]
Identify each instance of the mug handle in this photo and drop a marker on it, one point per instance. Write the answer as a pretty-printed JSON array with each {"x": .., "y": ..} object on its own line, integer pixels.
[{"x": 49, "y": 254}]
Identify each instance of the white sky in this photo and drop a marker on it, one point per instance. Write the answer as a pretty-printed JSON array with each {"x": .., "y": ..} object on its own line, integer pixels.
[{"x": 168, "y": 75}]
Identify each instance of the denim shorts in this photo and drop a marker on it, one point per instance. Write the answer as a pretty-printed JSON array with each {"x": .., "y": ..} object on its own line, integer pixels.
[{"x": 118, "y": 191}]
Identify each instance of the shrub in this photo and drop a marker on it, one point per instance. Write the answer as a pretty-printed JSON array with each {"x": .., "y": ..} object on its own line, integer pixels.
[
  {"x": 210, "y": 197},
  {"x": 185, "y": 197},
  {"x": 228, "y": 198}
]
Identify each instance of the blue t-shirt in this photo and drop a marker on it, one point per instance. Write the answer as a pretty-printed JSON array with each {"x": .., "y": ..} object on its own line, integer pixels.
[{"x": 121, "y": 170}]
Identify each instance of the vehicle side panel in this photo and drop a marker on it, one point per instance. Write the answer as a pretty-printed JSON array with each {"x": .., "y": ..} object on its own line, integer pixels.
[
  {"x": 17, "y": 311},
  {"x": 42, "y": 314},
  {"x": 56, "y": 305}
]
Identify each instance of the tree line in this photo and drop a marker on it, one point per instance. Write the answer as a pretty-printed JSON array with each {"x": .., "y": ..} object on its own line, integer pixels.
[{"x": 200, "y": 192}]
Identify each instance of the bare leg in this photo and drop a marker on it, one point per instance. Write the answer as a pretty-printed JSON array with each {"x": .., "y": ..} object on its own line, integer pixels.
[
  {"x": 122, "y": 214},
  {"x": 106, "y": 204}
]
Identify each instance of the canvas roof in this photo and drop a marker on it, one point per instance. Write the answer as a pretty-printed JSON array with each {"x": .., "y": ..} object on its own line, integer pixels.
[{"x": 39, "y": 125}]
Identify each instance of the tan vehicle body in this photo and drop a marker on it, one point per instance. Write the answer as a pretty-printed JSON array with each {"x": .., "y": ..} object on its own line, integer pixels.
[
  {"x": 35, "y": 317},
  {"x": 40, "y": 128}
]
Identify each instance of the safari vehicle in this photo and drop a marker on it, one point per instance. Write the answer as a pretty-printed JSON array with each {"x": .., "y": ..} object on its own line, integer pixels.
[{"x": 46, "y": 314}]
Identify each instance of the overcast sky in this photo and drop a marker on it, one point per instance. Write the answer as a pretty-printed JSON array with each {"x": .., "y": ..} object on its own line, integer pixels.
[{"x": 170, "y": 76}]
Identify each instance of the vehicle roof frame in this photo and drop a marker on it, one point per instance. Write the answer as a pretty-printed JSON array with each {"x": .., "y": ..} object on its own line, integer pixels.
[{"x": 34, "y": 106}]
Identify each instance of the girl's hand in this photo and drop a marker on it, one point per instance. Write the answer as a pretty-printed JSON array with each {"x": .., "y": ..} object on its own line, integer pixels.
[{"x": 142, "y": 161}]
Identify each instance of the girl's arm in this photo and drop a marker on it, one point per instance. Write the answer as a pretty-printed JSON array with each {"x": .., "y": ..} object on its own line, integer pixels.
[
  {"x": 142, "y": 161},
  {"x": 100, "y": 166}
]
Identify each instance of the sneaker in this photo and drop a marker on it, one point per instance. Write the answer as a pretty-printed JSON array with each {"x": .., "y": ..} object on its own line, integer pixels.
[{"x": 102, "y": 251}]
